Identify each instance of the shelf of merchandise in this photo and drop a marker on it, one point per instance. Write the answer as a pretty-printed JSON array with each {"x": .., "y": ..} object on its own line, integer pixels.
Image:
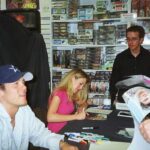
[
  {"x": 98, "y": 20},
  {"x": 82, "y": 46},
  {"x": 86, "y": 70}
]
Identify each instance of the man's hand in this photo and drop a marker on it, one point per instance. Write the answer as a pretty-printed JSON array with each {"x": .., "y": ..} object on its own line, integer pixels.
[
  {"x": 145, "y": 129},
  {"x": 66, "y": 146}
]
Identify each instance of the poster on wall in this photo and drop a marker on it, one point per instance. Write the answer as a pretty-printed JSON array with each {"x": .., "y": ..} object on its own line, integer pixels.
[{"x": 22, "y": 4}]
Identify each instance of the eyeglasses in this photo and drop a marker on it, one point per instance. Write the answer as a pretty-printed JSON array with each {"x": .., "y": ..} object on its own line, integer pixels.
[{"x": 132, "y": 39}]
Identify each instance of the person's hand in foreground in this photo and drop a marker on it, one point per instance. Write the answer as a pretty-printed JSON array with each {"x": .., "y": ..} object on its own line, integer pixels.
[
  {"x": 145, "y": 129},
  {"x": 66, "y": 146}
]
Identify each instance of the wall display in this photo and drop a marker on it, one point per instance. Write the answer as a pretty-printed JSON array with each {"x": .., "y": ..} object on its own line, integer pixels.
[{"x": 80, "y": 39}]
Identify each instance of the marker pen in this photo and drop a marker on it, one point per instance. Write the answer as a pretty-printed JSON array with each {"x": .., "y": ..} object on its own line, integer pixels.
[{"x": 89, "y": 128}]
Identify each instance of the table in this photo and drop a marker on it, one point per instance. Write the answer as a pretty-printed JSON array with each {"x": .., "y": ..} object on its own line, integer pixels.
[{"x": 108, "y": 128}]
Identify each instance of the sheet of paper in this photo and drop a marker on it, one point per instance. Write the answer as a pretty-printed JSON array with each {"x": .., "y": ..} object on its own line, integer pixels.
[
  {"x": 109, "y": 146},
  {"x": 98, "y": 110},
  {"x": 121, "y": 106}
]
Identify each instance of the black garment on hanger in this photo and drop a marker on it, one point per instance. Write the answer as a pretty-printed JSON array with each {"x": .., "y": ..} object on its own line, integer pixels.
[{"x": 26, "y": 50}]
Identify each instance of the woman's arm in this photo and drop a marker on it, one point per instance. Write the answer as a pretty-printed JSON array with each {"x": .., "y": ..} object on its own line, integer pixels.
[{"x": 53, "y": 116}]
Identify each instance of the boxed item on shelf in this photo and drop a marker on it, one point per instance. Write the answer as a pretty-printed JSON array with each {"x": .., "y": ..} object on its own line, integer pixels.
[
  {"x": 88, "y": 58},
  {"x": 119, "y": 5},
  {"x": 102, "y": 6},
  {"x": 121, "y": 34},
  {"x": 72, "y": 33},
  {"x": 73, "y": 9},
  {"x": 59, "y": 16},
  {"x": 96, "y": 56},
  {"x": 106, "y": 35},
  {"x": 99, "y": 82},
  {"x": 57, "y": 75},
  {"x": 85, "y": 33},
  {"x": 61, "y": 58},
  {"x": 59, "y": 10},
  {"x": 59, "y": 4},
  {"x": 85, "y": 12},
  {"x": 60, "y": 30}
]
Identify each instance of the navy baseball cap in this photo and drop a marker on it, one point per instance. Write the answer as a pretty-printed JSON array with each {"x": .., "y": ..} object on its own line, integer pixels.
[{"x": 10, "y": 73}]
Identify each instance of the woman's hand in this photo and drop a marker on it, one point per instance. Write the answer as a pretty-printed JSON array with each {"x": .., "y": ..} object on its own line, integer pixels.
[
  {"x": 80, "y": 115},
  {"x": 84, "y": 105}
]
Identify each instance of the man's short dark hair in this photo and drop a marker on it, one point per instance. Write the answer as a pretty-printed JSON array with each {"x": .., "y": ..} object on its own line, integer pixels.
[{"x": 138, "y": 29}]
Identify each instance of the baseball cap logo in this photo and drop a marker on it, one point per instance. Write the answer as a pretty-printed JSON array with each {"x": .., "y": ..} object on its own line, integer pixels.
[{"x": 13, "y": 68}]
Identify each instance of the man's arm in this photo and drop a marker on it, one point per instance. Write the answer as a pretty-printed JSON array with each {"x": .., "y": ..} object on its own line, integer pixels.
[
  {"x": 145, "y": 129},
  {"x": 40, "y": 136}
]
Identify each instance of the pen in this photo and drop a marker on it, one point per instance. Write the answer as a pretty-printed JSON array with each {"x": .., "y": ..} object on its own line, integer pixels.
[{"x": 88, "y": 128}]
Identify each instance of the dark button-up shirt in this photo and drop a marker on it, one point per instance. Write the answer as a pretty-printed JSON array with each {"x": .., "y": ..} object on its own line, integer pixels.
[{"x": 126, "y": 64}]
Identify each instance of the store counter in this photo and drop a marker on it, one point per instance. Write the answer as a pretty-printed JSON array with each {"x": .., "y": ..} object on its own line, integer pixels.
[{"x": 109, "y": 128}]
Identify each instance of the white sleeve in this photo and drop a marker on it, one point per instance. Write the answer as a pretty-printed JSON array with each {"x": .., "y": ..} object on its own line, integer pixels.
[{"x": 40, "y": 135}]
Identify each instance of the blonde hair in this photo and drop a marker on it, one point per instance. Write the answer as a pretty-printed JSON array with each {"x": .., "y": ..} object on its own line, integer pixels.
[{"x": 66, "y": 84}]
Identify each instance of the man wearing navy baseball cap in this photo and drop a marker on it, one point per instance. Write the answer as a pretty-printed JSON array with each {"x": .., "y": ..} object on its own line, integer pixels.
[
  {"x": 9, "y": 73},
  {"x": 18, "y": 123}
]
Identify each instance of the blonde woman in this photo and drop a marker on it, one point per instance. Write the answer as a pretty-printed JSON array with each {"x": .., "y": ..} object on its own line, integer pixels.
[{"x": 71, "y": 91}]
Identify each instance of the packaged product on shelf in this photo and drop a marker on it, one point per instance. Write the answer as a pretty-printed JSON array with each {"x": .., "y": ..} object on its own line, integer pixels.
[
  {"x": 85, "y": 33},
  {"x": 59, "y": 9},
  {"x": 56, "y": 78},
  {"x": 72, "y": 33},
  {"x": 73, "y": 9},
  {"x": 121, "y": 33},
  {"x": 85, "y": 12},
  {"x": 119, "y": 5},
  {"x": 96, "y": 56},
  {"x": 106, "y": 35},
  {"x": 101, "y": 9}
]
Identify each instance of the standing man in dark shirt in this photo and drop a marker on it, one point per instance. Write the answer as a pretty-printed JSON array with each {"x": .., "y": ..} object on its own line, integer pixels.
[{"x": 133, "y": 61}]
